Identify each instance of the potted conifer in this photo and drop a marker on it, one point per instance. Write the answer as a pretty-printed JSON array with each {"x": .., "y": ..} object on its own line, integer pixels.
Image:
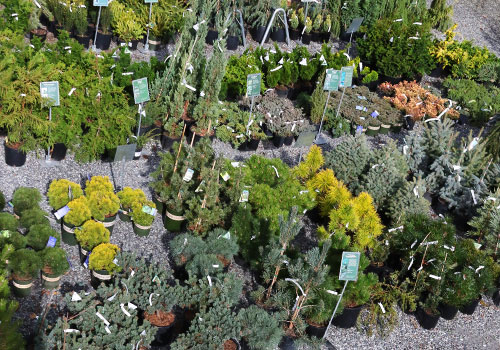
[
  {"x": 101, "y": 263},
  {"x": 129, "y": 196},
  {"x": 33, "y": 216},
  {"x": 104, "y": 206},
  {"x": 143, "y": 215},
  {"x": 24, "y": 264},
  {"x": 81, "y": 24},
  {"x": 61, "y": 192},
  {"x": 89, "y": 236},
  {"x": 79, "y": 213},
  {"x": 54, "y": 265},
  {"x": 39, "y": 235},
  {"x": 25, "y": 198}
]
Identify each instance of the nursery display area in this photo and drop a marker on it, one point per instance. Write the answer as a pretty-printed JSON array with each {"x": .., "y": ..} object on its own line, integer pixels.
[{"x": 243, "y": 174}]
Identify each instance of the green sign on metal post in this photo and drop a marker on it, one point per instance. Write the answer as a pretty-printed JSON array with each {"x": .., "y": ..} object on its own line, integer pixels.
[
  {"x": 332, "y": 80},
  {"x": 150, "y": 1},
  {"x": 346, "y": 79},
  {"x": 101, "y": 2},
  {"x": 50, "y": 90},
  {"x": 349, "y": 266},
  {"x": 253, "y": 84},
  {"x": 141, "y": 90}
]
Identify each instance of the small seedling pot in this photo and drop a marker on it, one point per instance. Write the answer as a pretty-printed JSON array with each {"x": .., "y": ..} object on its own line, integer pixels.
[{"x": 14, "y": 157}]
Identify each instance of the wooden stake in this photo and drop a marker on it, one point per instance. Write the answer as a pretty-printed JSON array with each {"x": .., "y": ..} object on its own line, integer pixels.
[{"x": 179, "y": 150}]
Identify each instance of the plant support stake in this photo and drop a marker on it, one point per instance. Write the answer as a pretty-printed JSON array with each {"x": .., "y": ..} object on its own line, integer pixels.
[
  {"x": 335, "y": 310},
  {"x": 146, "y": 45}
]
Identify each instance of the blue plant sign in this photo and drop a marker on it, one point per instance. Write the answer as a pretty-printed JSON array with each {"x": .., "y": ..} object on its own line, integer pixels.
[
  {"x": 52, "y": 242},
  {"x": 49, "y": 90},
  {"x": 349, "y": 266},
  {"x": 101, "y": 3},
  {"x": 346, "y": 79}
]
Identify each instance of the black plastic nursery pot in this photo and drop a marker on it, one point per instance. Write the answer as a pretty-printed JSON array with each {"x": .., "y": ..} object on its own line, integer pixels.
[
  {"x": 258, "y": 34},
  {"x": 287, "y": 343},
  {"x": 278, "y": 141},
  {"x": 58, "y": 151},
  {"x": 173, "y": 220},
  {"x": 83, "y": 254},
  {"x": 496, "y": 297},
  {"x": 50, "y": 281},
  {"x": 99, "y": 276},
  {"x": 294, "y": 34},
  {"x": 39, "y": 33},
  {"x": 162, "y": 335},
  {"x": 138, "y": 153},
  {"x": 84, "y": 40},
  {"x": 348, "y": 318},
  {"x": 124, "y": 215},
  {"x": 278, "y": 35},
  {"x": 448, "y": 312},
  {"x": 232, "y": 42},
  {"x": 68, "y": 234},
  {"x": 141, "y": 231},
  {"x": 306, "y": 38},
  {"x": 317, "y": 331},
  {"x": 427, "y": 320},
  {"x": 288, "y": 140},
  {"x": 103, "y": 41},
  {"x": 252, "y": 144},
  {"x": 392, "y": 80},
  {"x": 396, "y": 127},
  {"x": 167, "y": 141},
  {"x": 22, "y": 287},
  {"x": 212, "y": 35},
  {"x": 471, "y": 307},
  {"x": 109, "y": 222},
  {"x": 382, "y": 272},
  {"x": 13, "y": 156}
]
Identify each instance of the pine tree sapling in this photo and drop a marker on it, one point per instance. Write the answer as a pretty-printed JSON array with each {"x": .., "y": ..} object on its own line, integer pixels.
[
  {"x": 25, "y": 198},
  {"x": 61, "y": 192},
  {"x": 10, "y": 338},
  {"x": 79, "y": 212},
  {"x": 102, "y": 258},
  {"x": 24, "y": 264},
  {"x": 39, "y": 235},
  {"x": 8, "y": 222},
  {"x": 33, "y": 216},
  {"x": 91, "y": 234},
  {"x": 54, "y": 261},
  {"x": 103, "y": 204}
]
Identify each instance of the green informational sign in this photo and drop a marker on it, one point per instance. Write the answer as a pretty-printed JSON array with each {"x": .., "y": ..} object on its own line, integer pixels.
[
  {"x": 141, "y": 90},
  {"x": 49, "y": 90},
  {"x": 150, "y": 1},
  {"x": 101, "y": 2},
  {"x": 355, "y": 24},
  {"x": 346, "y": 79},
  {"x": 332, "y": 80},
  {"x": 253, "y": 84},
  {"x": 349, "y": 266}
]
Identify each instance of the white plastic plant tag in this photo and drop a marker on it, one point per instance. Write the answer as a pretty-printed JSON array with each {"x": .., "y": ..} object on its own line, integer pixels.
[
  {"x": 277, "y": 68},
  {"x": 473, "y": 144},
  {"x": 112, "y": 297},
  {"x": 415, "y": 191},
  {"x": 61, "y": 212},
  {"x": 413, "y": 244},
  {"x": 473, "y": 197},
  {"x": 359, "y": 108},
  {"x": 69, "y": 330},
  {"x": 107, "y": 330},
  {"x": 276, "y": 171},
  {"x": 429, "y": 243},
  {"x": 202, "y": 93},
  {"x": 235, "y": 164},
  {"x": 304, "y": 191},
  {"x": 411, "y": 263},
  {"x": 347, "y": 55},
  {"x": 332, "y": 292},
  {"x": 225, "y": 176},
  {"x": 76, "y": 297},
  {"x": 215, "y": 266},
  {"x": 452, "y": 248},
  {"x": 22, "y": 95},
  {"x": 209, "y": 281},
  {"x": 266, "y": 57},
  {"x": 128, "y": 73},
  {"x": 491, "y": 199},
  {"x": 281, "y": 61},
  {"x": 435, "y": 277},
  {"x": 122, "y": 306},
  {"x": 391, "y": 39},
  {"x": 405, "y": 149},
  {"x": 131, "y": 306},
  {"x": 150, "y": 300},
  {"x": 381, "y": 307},
  {"x": 361, "y": 97},
  {"x": 479, "y": 268},
  {"x": 396, "y": 228},
  {"x": 398, "y": 20},
  {"x": 102, "y": 318},
  {"x": 303, "y": 62},
  {"x": 417, "y": 23},
  {"x": 199, "y": 189},
  {"x": 71, "y": 91},
  {"x": 244, "y": 196},
  {"x": 227, "y": 235},
  {"x": 188, "y": 175}
]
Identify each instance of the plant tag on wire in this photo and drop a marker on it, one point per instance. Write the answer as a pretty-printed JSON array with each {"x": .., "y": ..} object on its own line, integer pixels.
[
  {"x": 276, "y": 171},
  {"x": 244, "y": 196},
  {"x": 225, "y": 176},
  {"x": 199, "y": 189},
  {"x": 435, "y": 277},
  {"x": 188, "y": 175},
  {"x": 381, "y": 307},
  {"x": 51, "y": 242},
  {"x": 332, "y": 292},
  {"x": 375, "y": 114},
  {"x": 61, "y": 212},
  {"x": 76, "y": 297},
  {"x": 149, "y": 210},
  {"x": 102, "y": 318}
]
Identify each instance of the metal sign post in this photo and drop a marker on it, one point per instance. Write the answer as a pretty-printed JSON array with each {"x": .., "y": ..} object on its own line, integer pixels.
[
  {"x": 348, "y": 272},
  {"x": 270, "y": 24},
  {"x": 240, "y": 21},
  {"x": 49, "y": 91},
  {"x": 345, "y": 81},
  {"x": 99, "y": 3},
  {"x": 332, "y": 81},
  {"x": 353, "y": 28},
  {"x": 141, "y": 95},
  {"x": 253, "y": 89},
  {"x": 150, "y": 2}
]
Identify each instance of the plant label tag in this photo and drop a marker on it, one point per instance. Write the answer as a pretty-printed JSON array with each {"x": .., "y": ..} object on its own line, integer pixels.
[
  {"x": 49, "y": 91},
  {"x": 477, "y": 245},
  {"x": 276, "y": 171},
  {"x": 61, "y": 212},
  {"x": 131, "y": 306},
  {"x": 375, "y": 114},
  {"x": 76, "y": 297},
  {"x": 225, "y": 176},
  {"x": 381, "y": 307},
  {"x": 10, "y": 204},
  {"x": 346, "y": 78},
  {"x": 303, "y": 62},
  {"x": 199, "y": 189},
  {"x": 244, "y": 196},
  {"x": 332, "y": 80},
  {"x": 361, "y": 97},
  {"x": 51, "y": 242},
  {"x": 227, "y": 235},
  {"x": 101, "y": 2},
  {"x": 359, "y": 129},
  {"x": 149, "y": 210},
  {"x": 349, "y": 266},
  {"x": 106, "y": 322},
  {"x": 253, "y": 84},
  {"x": 235, "y": 164},
  {"x": 359, "y": 108},
  {"x": 70, "y": 193},
  {"x": 188, "y": 175},
  {"x": 107, "y": 330},
  {"x": 141, "y": 90},
  {"x": 86, "y": 263}
]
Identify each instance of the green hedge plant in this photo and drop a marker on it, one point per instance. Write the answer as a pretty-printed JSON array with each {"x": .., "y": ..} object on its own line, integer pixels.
[
  {"x": 30, "y": 217},
  {"x": 39, "y": 235},
  {"x": 25, "y": 198},
  {"x": 79, "y": 212}
]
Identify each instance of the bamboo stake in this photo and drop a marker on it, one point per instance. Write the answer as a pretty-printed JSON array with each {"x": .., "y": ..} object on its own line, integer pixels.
[{"x": 179, "y": 150}]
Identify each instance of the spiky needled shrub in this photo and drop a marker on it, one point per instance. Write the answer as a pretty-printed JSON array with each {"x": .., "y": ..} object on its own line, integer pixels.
[
  {"x": 25, "y": 198},
  {"x": 24, "y": 264},
  {"x": 129, "y": 196},
  {"x": 33, "y": 216},
  {"x": 39, "y": 235},
  {"x": 103, "y": 204},
  {"x": 259, "y": 329},
  {"x": 54, "y": 261},
  {"x": 8, "y": 222},
  {"x": 485, "y": 225},
  {"x": 62, "y": 191}
]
